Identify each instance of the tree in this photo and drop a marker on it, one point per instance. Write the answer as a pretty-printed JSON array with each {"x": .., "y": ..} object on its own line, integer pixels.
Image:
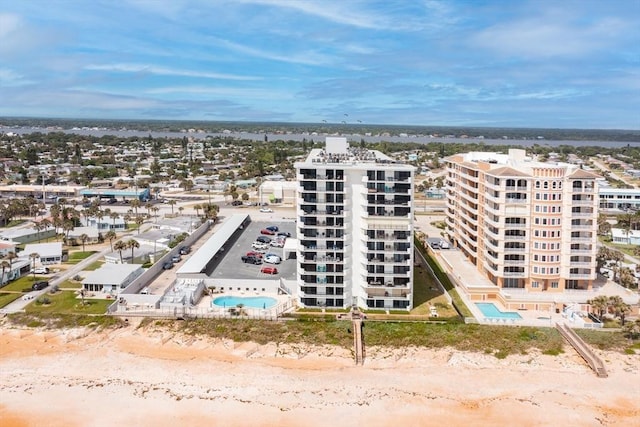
[
  {"x": 172, "y": 203},
  {"x": 114, "y": 216},
  {"x": 83, "y": 238},
  {"x": 120, "y": 246},
  {"x": 197, "y": 208},
  {"x": 133, "y": 244},
  {"x": 135, "y": 204},
  {"x": 110, "y": 236},
  {"x": 34, "y": 256},
  {"x": 632, "y": 329},
  {"x": 5, "y": 266},
  {"x": 139, "y": 222},
  {"x": 600, "y": 304},
  {"x": 619, "y": 307},
  {"x": 82, "y": 292}
]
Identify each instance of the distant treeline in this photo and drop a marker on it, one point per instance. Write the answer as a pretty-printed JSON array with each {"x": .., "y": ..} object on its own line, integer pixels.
[{"x": 359, "y": 128}]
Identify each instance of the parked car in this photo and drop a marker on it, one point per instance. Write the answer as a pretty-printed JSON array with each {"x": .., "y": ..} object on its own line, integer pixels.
[
  {"x": 176, "y": 258},
  {"x": 260, "y": 246},
  {"x": 267, "y": 231},
  {"x": 38, "y": 286},
  {"x": 277, "y": 244},
  {"x": 40, "y": 270},
  {"x": 272, "y": 259},
  {"x": 273, "y": 228},
  {"x": 254, "y": 253},
  {"x": 263, "y": 239},
  {"x": 185, "y": 250},
  {"x": 266, "y": 210},
  {"x": 284, "y": 234},
  {"x": 251, "y": 260},
  {"x": 269, "y": 270},
  {"x": 236, "y": 203},
  {"x": 167, "y": 265}
]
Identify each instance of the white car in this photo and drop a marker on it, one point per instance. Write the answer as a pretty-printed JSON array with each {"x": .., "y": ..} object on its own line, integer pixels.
[
  {"x": 272, "y": 259},
  {"x": 277, "y": 243},
  {"x": 260, "y": 245},
  {"x": 40, "y": 270},
  {"x": 266, "y": 210}
]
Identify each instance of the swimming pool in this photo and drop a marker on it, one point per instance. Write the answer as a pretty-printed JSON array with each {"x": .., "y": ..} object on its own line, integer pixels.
[
  {"x": 490, "y": 311},
  {"x": 253, "y": 302}
]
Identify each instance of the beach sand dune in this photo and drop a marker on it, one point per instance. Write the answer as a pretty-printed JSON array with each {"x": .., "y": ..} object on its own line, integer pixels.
[{"x": 157, "y": 378}]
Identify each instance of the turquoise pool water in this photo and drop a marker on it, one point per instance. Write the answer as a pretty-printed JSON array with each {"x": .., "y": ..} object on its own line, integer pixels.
[
  {"x": 253, "y": 302},
  {"x": 490, "y": 311}
]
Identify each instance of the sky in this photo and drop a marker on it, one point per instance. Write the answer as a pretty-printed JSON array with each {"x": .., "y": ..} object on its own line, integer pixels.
[{"x": 487, "y": 63}]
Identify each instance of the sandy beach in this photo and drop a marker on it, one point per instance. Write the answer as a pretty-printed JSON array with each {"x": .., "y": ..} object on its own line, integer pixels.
[{"x": 156, "y": 378}]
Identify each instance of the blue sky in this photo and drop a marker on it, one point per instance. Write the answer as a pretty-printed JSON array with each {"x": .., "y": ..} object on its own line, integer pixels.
[{"x": 565, "y": 64}]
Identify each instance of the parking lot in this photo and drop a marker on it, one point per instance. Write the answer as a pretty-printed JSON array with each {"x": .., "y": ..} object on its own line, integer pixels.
[{"x": 231, "y": 266}]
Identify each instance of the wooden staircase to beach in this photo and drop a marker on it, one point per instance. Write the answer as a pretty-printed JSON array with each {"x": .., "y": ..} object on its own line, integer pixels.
[
  {"x": 358, "y": 341},
  {"x": 583, "y": 350}
]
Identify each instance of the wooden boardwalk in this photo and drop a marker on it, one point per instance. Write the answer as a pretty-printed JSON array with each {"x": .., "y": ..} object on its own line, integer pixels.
[
  {"x": 583, "y": 350},
  {"x": 358, "y": 341}
]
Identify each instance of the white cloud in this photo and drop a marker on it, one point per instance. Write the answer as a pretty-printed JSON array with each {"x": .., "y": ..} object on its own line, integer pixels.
[
  {"x": 153, "y": 69},
  {"x": 547, "y": 37},
  {"x": 256, "y": 93},
  {"x": 305, "y": 58}
]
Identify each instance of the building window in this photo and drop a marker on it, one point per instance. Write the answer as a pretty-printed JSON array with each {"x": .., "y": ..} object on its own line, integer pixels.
[
  {"x": 535, "y": 284},
  {"x": 554, "y": 285}
]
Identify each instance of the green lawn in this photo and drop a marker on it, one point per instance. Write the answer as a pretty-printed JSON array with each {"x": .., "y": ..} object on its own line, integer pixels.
[
  {"x": 65, "y": 302},
  {"x": 7, "y": 298},
  {"x": 79, "y": 255},
  {"x": 25, "y": 282},
  {"x": 94, "y": 266},
  {"x": 70, "y": 284},
  {"x": 427, "y": 293}
]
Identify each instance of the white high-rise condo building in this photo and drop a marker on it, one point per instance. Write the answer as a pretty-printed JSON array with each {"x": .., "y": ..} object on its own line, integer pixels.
[
  {"x": 355, "y": 229},
  {"x": 523, "y": 223}
]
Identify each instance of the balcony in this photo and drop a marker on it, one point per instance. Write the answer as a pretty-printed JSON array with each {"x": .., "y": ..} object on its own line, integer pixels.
[
  {"x": 512, "y": 201},
  {"x": 514, "y": 274}
]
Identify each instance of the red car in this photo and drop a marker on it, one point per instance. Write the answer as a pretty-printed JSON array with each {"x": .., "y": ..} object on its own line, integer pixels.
[
  {"x": 255, "y": 254},
  {"x": 267, "y": 231},
  {"x": 269, "y": 270}
]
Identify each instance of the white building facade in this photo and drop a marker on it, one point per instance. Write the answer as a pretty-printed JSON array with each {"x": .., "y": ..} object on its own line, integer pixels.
[
  {"x": 355, "y": 229},
  {"x": 524, "y": 224}
]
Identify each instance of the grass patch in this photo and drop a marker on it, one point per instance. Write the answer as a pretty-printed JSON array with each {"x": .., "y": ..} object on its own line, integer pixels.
[
  {"x": 70, "y": 284},
  {"x": 427, "y": 293},
  {"x": 333, "y": 332},
  {"x": 65, "y": 302},
  {"x": 62, "y": 321},
  {"x": 79, "y": 255},
  {"x": 23, "y": 284},
  {"x": 94, "y": 266},
  {"x": 499, "y": 341},
  {"x": 8, "y": 298},
  {"x": 603, "y": 340},
  {"x": 444, "y": 279}
]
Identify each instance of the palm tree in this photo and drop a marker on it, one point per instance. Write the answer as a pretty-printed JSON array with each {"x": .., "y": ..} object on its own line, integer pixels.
[
  {"x": 620, "y": 308},
  {"x": 197, "y": 208},
  {"x": 172, "y": 204},
  {"x": 110, "y": 236},
  {"x": 11, "y": 256},
  {"x": 34, "y": 256},
  {"x": 180, "y": 209},
  {"x": 120, "y": 246},
  {"x": 114, "y": 216},
  {"x": 600, "y": 305},
  {"x": 632, "y": 329},
  {"x": 139, "y": 222},
  {"x": 135, "y": 204},
  {"x": 83, "y": 238},
  {"x": 45, "y": 224},
  {"x": 5, "y": 265},
  {"x": 155, "y": 210},
  {"x": 133, "y": 244}
]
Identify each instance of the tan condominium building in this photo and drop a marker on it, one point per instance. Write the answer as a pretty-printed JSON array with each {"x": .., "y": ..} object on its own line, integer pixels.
[
  {"x": 523, "y": 223},
  {"x": 355, "y": 229}
]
